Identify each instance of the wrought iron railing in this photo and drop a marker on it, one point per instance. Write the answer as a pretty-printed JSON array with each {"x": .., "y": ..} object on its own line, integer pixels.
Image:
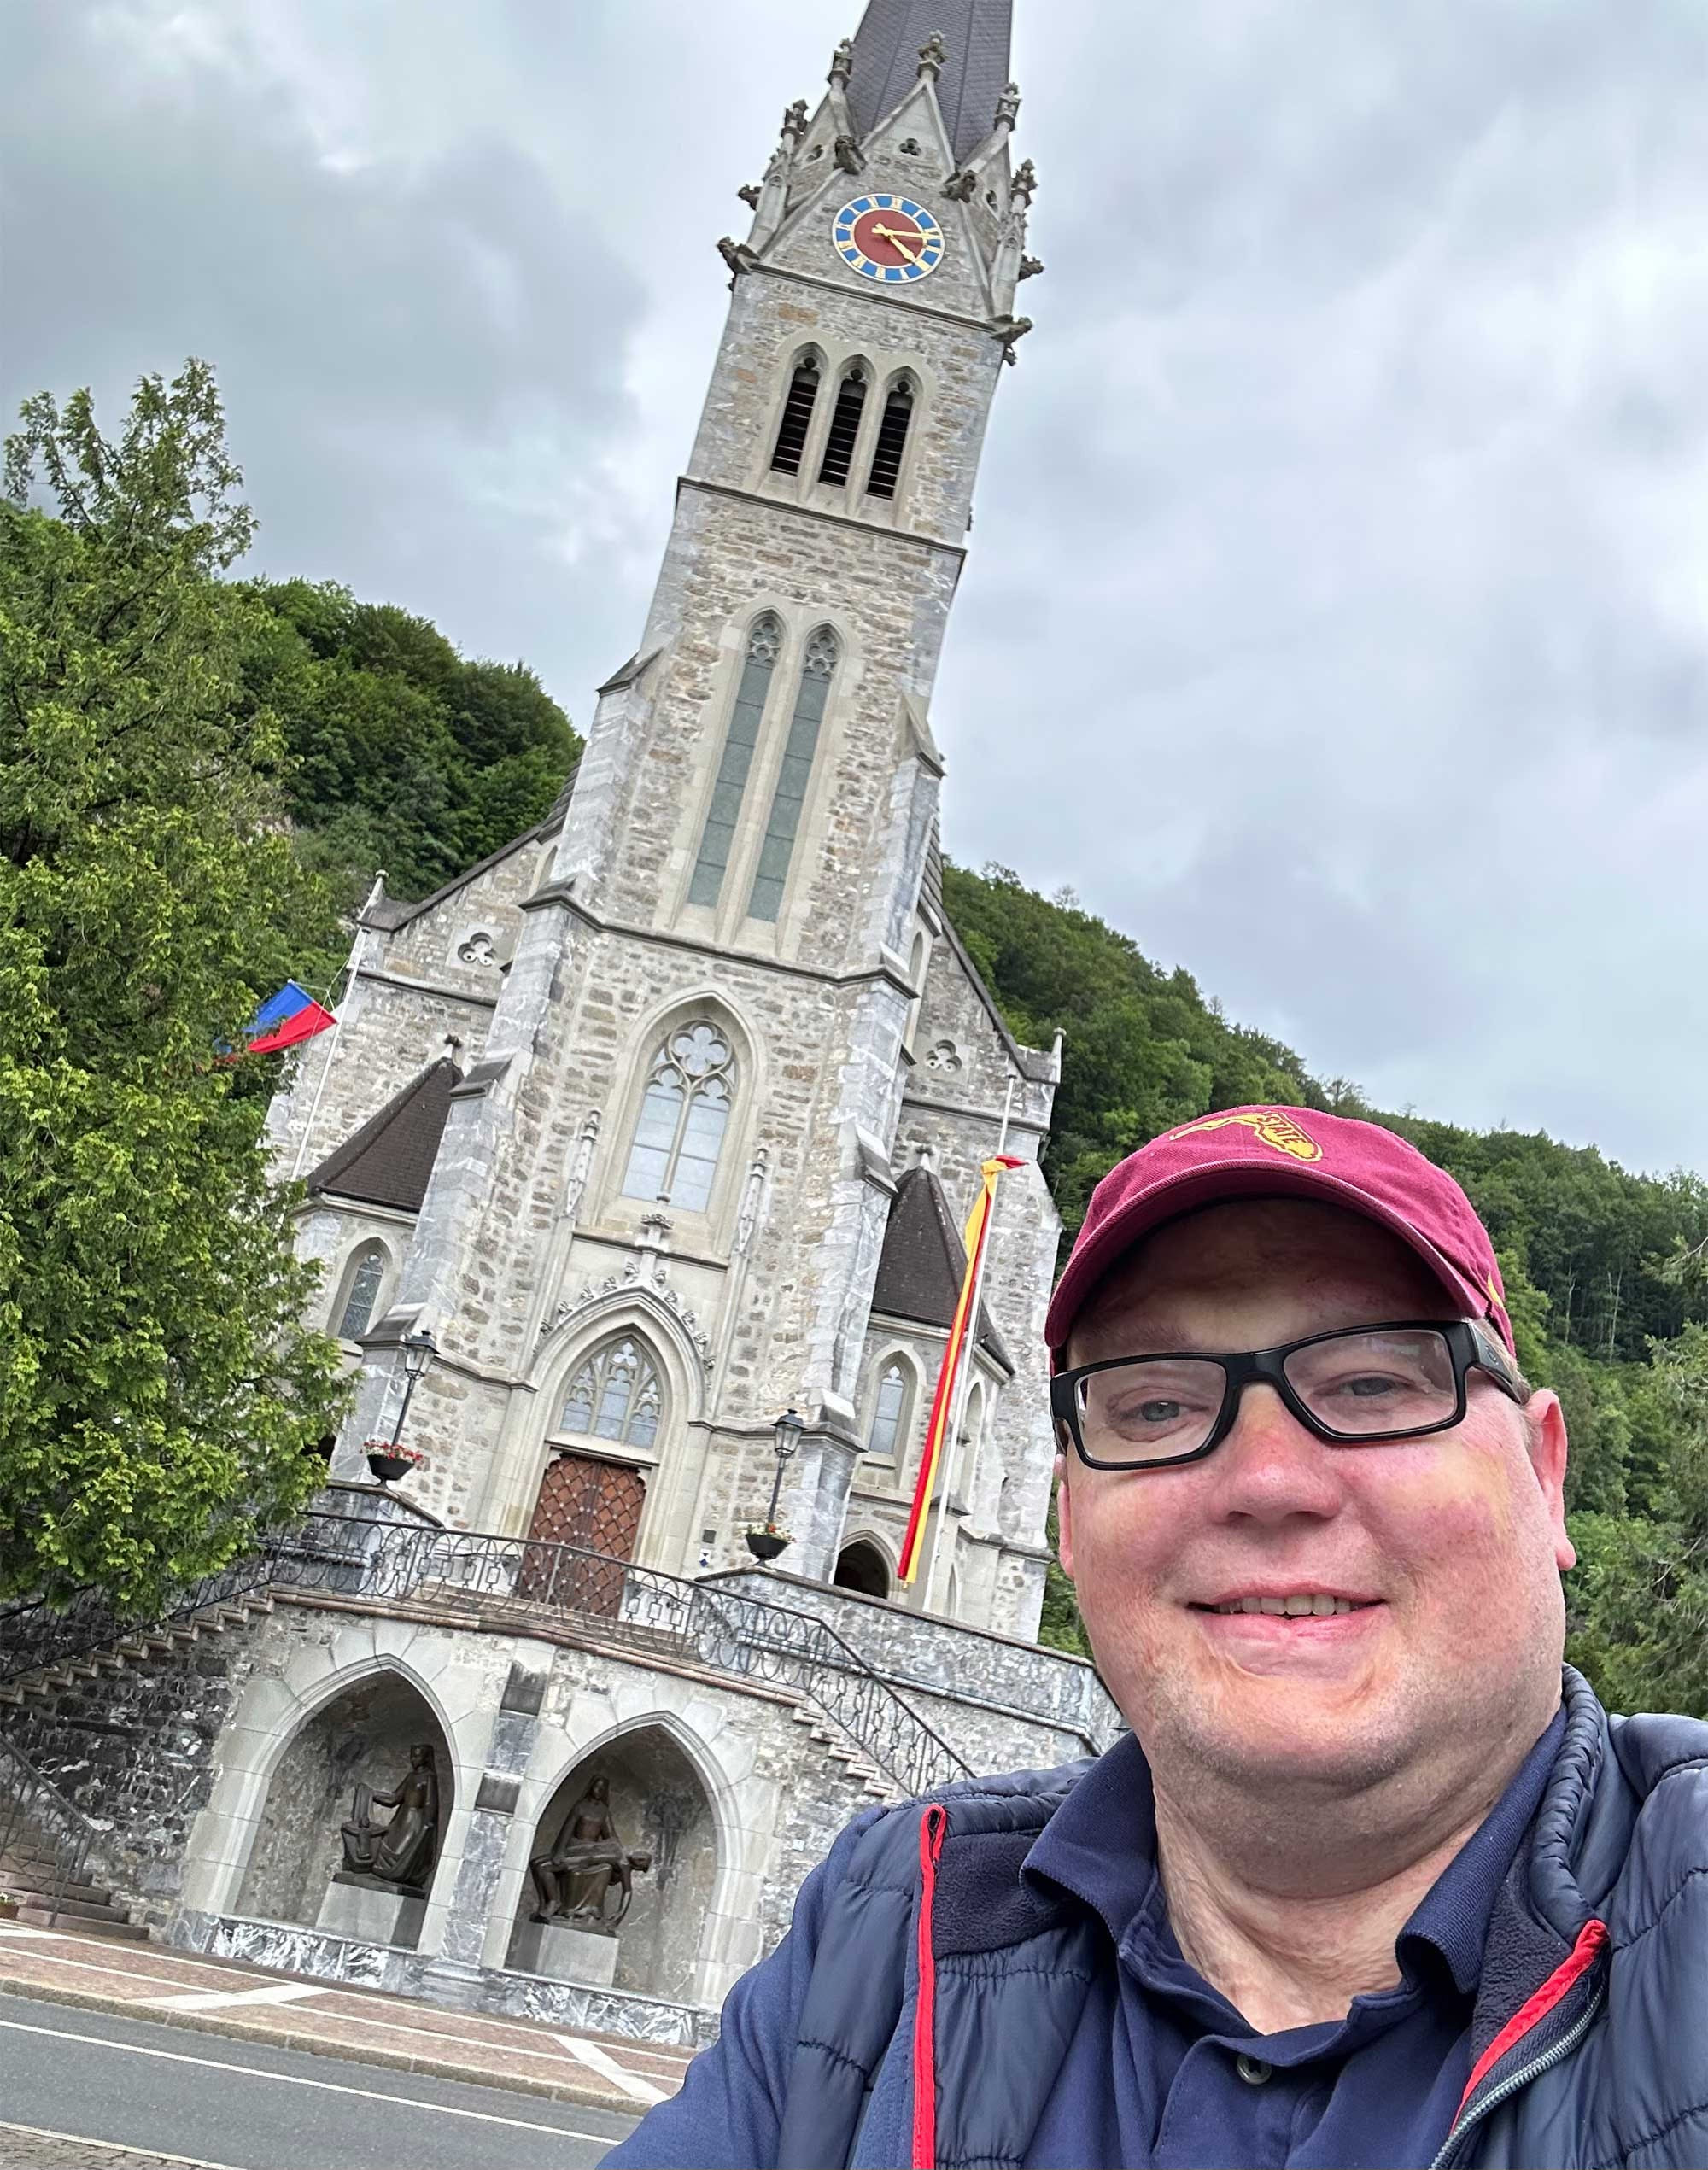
[
  {"x": 749, "y": 1638},
  {"x": 34, "y": 1632},
  {"x": 44, "y": 1839}
]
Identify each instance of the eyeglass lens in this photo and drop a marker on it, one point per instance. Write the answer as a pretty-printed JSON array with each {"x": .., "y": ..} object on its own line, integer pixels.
[{"x": 1364, "y": 1385}]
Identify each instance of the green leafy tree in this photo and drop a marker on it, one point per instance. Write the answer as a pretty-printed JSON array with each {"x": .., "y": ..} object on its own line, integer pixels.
[
  {"x": 158, "y": 1397},
  {"x": 405, "y": 756}
]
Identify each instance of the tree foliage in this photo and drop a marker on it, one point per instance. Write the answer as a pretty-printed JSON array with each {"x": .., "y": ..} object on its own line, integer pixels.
[
  {"x": 405, "y": 756},
  {"x": 1606, "y": 1273},
  {"x": 157, "y": 1393}
]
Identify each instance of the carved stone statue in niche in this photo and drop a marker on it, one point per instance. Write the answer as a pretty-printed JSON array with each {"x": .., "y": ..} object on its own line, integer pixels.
[
  {"x": 572, "y": 1877},
  {"x": 399, "y": 1853}
]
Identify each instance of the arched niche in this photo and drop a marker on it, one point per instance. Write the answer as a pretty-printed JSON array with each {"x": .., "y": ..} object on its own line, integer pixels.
[
  {"x": 861, "y": 1566},
  {"x": 659, "y": 1806},
  {"x": 363, "y": 1736}
]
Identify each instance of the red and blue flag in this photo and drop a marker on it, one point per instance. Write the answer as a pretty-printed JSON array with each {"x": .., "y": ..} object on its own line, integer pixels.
[{"x": 290, "y": 1016}]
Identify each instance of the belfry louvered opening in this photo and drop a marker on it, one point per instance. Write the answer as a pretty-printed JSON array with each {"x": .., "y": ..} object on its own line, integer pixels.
[
  {"x": 797, "y": 420},
  {"x": 845, "y": 428},
  {"x": 893, "y": 432}
]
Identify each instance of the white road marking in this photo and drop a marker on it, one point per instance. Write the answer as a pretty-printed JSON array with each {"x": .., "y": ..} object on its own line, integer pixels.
[
  {"x": 117, "y": 2147},
  {"x": 294, "y": 2080},
  {"x": 415, "y": 2029},
  {"x": 219, "y": 2000},
  {"x": 600, "y": 2061}
]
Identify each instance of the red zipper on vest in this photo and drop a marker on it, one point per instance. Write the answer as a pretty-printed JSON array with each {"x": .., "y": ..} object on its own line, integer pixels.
[
  {"x": 932, "y": 1826},
  {"x": 1536, "y": 2009}
]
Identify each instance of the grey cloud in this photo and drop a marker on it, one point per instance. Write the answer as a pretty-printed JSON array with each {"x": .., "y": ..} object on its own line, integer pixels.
[{"x": 1336, "y": 618}]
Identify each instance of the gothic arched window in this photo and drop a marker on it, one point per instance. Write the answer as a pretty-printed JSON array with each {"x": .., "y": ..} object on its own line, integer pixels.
[
  {"x": 802, "y": 397},
  {"x": 790, "y": 796},
  {"x": 719, "y": 834},
  {"x": 845, "y": 427},
  {"x": 893, "y": 431},
  {"x": 888, "y": 1413},
  {"x": 616, "y": 1395},
  {"x": 684, "y": 1113},
  {"x": 363, "y": 1280}
]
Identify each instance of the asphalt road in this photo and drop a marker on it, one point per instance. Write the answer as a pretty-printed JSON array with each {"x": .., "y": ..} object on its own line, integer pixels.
[{"x": 204, "y": 2099}]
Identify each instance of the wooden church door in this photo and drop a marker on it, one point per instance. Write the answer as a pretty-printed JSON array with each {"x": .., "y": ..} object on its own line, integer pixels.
[{"x": 594, "y": 1506}]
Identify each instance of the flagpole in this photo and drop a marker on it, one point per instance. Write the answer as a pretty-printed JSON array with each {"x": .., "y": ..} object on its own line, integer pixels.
[
  {"x": 373, "y": 896},
  {"x": 963, "y": 1384}
]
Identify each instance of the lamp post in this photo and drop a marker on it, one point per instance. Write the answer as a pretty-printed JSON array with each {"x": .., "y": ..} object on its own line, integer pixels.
[
  {"x": 419, "y": 1348},
  {"x": 766, "y": 1544},
  {"x": 789, "y": 1428},
  {"x": 385, "y": 1460}
]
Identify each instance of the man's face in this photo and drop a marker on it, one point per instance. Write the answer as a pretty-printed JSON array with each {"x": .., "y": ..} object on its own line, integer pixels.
[{"x": 1450, "y": 1545}]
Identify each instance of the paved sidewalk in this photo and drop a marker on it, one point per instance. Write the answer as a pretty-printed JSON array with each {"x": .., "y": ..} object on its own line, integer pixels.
[{"x": 151, "y": 1981}]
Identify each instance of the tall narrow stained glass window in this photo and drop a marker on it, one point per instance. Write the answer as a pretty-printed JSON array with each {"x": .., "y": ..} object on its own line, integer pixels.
[
  {"x": 745, "y": 718},
  {"x": 363, "y": 1292},
  {"x": 615, "y": 1394},
  {"x": 790, "y": 796},
  {"x": 684, "y": 1113},
  {"x": 886, "y": 1416}
]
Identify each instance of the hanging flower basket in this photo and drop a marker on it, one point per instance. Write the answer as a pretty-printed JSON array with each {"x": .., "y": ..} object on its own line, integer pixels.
[
  {"x": 389, "y": 1463},
  {"x": 765, "y": 1539}
]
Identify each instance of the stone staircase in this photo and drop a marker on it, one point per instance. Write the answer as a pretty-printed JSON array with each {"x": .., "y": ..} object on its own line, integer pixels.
[
  {"x": 839, "y": 1748},
  {"x": 29, "y": 1874},
  {"x": 117, "y": 1657}
]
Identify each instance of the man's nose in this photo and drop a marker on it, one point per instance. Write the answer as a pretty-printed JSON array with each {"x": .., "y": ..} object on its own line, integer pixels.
[{"x": 1270, "y": 1466}]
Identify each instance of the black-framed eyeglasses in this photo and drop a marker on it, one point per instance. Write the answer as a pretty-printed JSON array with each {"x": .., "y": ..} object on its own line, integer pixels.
[{"x": 1355, "y": 1387}]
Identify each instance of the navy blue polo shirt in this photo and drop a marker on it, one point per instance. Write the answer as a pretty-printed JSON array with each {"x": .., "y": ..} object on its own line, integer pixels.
[{"x": 1162, "y": 2071}]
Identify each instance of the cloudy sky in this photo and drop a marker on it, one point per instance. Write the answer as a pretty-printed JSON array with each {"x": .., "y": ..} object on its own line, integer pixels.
[{"x": 1337, "y": 623}]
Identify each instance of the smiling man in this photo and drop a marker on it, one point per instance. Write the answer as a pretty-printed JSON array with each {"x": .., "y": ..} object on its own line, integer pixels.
[{"x": 1373, "y": 1879}]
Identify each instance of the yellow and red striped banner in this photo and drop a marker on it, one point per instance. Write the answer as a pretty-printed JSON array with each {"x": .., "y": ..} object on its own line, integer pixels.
[{"x": 943, "y": 1402}]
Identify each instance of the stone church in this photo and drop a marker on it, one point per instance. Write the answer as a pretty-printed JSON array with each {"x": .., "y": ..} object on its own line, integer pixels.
[{"x": 663, "y": 1122}]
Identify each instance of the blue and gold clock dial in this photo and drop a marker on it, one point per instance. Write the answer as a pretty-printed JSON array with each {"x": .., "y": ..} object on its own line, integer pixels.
[{"x": 889, "y": 238}]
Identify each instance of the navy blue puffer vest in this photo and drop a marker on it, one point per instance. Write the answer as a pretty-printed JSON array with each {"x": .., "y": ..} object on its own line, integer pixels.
[{"x": 945, "y": 1991}]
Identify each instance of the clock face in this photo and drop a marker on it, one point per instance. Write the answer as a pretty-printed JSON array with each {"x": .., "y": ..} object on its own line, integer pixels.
[{"x": 889, "y": 238}]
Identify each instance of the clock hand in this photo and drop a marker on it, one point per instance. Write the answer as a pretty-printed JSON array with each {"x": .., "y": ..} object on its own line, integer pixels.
[{"x": 898, "y": 241}]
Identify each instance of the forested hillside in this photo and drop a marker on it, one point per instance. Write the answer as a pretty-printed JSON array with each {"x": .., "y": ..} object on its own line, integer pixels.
[
  {"x": 404, "y": 755},
  {"x": 1604, "y": 1270}
]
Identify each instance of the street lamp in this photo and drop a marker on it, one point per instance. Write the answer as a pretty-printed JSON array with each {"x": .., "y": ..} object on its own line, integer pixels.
[
  {"x": 419, "y": 1348},
  {"x": 789, "y": 1428}
]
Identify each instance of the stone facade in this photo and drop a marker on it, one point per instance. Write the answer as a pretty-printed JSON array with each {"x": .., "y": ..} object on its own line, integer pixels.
[
  {"x": 681, "y": 1045},
  {"x": 858, "y": 1035}
]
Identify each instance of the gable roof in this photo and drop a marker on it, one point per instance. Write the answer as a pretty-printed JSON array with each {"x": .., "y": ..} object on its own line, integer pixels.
[
  {"x": 924, "y": 1261},
  {"x": 388, "y": 1161},
  {"x": 886, "y": 63}
]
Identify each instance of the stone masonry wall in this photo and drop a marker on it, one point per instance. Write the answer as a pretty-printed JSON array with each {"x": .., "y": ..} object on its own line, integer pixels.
[{"x": 137, "y": 1754}]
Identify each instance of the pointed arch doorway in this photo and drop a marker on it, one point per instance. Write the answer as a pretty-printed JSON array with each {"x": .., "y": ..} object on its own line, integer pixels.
[{"x": 587, "y": 1519}]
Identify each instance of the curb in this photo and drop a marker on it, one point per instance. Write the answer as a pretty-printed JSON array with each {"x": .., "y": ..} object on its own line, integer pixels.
[{"x": 586, "y": 2095}]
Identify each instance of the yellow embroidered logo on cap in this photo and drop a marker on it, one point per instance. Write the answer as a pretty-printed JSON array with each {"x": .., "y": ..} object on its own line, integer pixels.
[{"x": 1274, "y": 1128}]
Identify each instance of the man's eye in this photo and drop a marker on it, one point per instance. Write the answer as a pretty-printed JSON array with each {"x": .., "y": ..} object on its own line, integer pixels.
[
  {"x": 1155, "y": 1410},
  {"x": 1371, "y": 1386}
]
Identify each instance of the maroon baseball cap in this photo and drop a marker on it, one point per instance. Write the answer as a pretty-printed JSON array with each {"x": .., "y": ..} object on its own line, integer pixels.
[{"x": 1286, "y": 1152}]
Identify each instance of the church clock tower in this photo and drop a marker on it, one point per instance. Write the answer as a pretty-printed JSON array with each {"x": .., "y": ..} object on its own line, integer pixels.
[{"x": 733, "y": 1026}]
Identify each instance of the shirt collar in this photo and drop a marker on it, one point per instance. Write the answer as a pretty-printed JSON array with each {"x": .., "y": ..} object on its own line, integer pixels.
[{"x": 1101, "y": 1846}]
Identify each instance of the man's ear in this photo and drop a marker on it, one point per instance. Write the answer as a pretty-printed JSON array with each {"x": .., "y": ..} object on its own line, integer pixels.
[
  {"x": 1064, "y": 1517},
  {"x": 1545, "y": 1429}
]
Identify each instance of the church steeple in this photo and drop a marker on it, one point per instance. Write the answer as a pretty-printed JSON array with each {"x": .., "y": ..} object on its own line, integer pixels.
[{"x": 974, "y": 34}]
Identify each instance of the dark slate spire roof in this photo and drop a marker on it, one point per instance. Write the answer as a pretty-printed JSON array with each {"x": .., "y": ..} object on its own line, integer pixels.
[
  {"x": 387, "y": 1161},
  {"x": 923, "y": 1262},
  {"x": 887, "y": 62}
]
